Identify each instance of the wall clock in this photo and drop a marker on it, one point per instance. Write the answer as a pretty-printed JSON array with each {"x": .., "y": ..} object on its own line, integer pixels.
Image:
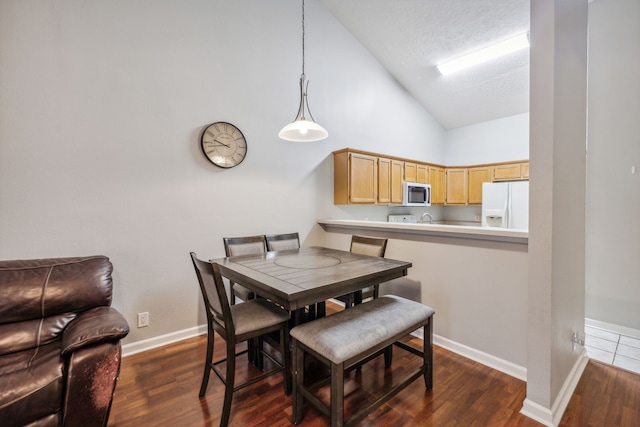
[{"x": 223, "y": 144}]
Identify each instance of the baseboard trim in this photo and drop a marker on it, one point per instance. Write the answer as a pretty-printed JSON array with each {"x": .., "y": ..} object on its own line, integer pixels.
[
  {"x": 461, "y": 349},
  {"x": 162, "y": 340},
  {"x": 552, "y": 417},
  {"x": 486, "y": 359}
]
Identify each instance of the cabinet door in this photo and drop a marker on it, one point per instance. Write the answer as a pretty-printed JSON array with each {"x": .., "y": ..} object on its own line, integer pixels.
[
  {"x": 436, "y": 179},
  {"x": 456, "y": 186},
  {"x": 397, "y": 172},
  {"x": 409, "y": 172},
  {"x": 422, "y": 174},
  {"x": 507, "y": 172},
  {"x": 477, "y": 176},
  {"x": 384, "y": 180},
  {"x": 363, "y": 178}
]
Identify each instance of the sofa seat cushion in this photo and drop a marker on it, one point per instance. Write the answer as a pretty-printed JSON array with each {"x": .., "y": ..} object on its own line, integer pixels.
[{"x": 31, "y": 384}]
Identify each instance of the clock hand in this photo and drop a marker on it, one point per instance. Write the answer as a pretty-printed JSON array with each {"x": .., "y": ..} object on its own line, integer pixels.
[{"x": 220, "y": 142}]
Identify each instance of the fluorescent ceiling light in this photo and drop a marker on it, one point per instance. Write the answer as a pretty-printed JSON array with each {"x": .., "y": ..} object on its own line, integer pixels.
[{"x": 483, "y": 55}]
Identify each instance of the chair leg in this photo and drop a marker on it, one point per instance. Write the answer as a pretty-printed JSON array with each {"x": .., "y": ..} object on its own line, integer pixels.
[
  {"x": 208, "y": 361},
  {"x": 258, "y": 355},
  {"x": 298, "y": 381},
  {"x": 229, "y": 383},
  {"x": 321, "y": 309},
  {"x": 427, "y": 350},
  {"x": 286, "y": 358},
  {"x": 357, "y": 297}
]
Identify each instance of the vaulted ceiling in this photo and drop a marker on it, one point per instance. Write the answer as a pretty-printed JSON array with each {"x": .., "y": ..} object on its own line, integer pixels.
[{"x": 410, "y": 37}]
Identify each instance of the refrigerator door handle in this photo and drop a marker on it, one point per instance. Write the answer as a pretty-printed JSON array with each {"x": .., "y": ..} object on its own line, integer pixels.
[{"x": 507, "y": 210}]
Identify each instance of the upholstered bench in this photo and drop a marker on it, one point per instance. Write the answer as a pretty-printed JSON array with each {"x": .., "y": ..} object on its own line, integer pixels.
[{"x": 351, "y": 337}]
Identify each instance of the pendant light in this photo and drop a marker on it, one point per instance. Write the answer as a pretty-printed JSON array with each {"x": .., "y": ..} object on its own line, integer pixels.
[{"x": 303, "y": 128}]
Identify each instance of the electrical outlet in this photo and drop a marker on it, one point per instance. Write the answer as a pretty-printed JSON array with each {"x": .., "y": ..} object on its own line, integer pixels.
[
  {"x": 477, "y": 218},
  {"x": 143, "y": 319}
]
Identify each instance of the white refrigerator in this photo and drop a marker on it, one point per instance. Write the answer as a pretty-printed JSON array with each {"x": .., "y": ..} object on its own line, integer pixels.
[{"x": 505, "y": 204}]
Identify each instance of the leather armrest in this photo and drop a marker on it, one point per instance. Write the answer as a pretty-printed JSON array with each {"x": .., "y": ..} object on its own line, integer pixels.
[{"x": 97, "y": 325}]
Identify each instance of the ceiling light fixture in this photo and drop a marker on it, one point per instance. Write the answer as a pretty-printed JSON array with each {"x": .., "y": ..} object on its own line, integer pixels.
[
  {"x": 483, "y": 55},
  {"x": 302, "y": 129}
]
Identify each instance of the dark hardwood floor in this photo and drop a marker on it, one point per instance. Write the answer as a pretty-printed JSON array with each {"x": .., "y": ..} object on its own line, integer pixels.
[{"x": 160, "y": 388}]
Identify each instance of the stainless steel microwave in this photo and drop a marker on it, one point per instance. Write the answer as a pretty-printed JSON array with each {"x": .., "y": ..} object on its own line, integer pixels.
[{"x": 415, "y": 194}]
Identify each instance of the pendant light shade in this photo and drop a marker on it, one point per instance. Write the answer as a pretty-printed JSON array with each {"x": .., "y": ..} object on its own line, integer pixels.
[{"x": 303, "y": 128}]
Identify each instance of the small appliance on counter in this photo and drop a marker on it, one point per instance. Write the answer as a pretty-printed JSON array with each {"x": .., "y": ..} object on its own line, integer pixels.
[{"x": 410, "y": 219}]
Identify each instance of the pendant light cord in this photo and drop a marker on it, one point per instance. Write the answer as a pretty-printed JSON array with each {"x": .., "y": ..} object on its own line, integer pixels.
[{"x": 302, "y": 38}]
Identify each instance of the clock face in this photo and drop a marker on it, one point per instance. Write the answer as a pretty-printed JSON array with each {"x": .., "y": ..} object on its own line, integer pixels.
[{"x": 223, "y": 144}]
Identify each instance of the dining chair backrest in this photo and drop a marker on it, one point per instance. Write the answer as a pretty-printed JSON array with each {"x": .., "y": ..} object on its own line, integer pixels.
[
  {"x": 372, "y": 246},
  {"x": 282, "y": 242},
  {"x": 249, "y": 245},
  {"x": 213, "y": 293}
]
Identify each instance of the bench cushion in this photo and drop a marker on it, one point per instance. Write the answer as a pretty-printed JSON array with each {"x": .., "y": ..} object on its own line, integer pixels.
[{"x": 351, "y": 332}]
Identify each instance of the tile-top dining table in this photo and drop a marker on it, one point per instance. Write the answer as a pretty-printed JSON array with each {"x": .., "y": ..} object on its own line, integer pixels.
[{"x": 302, "y": 277}]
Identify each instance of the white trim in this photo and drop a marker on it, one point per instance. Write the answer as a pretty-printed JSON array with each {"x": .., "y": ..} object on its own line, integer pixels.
[
  {"x": 552, "y": 417},
  {"x": 159, "y": 341},
  {"x": 537, "y": 412},
  {"x": 486, "y": 359},
  {"x": 468, "y": 352},
  {"x": 622, "y": 330}
]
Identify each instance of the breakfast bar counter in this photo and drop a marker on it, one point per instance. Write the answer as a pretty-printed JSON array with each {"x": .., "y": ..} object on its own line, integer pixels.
[{"x": 440, "y": 230}]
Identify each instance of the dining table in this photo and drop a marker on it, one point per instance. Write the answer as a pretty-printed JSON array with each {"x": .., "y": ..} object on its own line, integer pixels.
[{"x": 298, "y": 278}]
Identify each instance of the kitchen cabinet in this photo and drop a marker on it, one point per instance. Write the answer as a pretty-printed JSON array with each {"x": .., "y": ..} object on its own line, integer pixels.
[
  {"x": 355, "y": 178},
  {"x": 384, "y": 180},
  {"x": 456, "y": 186},
  {"x": 436, "y": 179},
  {"x": 410, "y": 172},
  {"x": 477, "y": 176},
  {"x": 422, "y": 173},
  {"x": 362, "y": 177},
  {"x": 397, "y": 172},
  {"x": 511, "y": 171}
]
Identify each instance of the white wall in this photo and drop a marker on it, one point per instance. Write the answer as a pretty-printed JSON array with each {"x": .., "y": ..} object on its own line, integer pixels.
[
  {"x": 558, "y": 129},
  {"x": 613, "y": 202},
  {"x": 101, "y": 109},
  {"x": 500, "y": 140}
]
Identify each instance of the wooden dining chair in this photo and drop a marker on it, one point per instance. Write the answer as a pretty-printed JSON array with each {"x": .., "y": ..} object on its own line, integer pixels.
[
  {"x": 235, "y": 324},
  {"x": 363, "y": 245},
  {"x": 248, "y": 245},
  {"x": 282, "y": 242}
]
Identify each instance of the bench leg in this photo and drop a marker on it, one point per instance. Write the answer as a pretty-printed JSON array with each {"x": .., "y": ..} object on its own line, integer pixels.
[
  {"x": 298, "y": 381},
  {"x": 428, "y": 353},
  {"x": 337, "y": 394},
  {"x": 388, "y": 356}
]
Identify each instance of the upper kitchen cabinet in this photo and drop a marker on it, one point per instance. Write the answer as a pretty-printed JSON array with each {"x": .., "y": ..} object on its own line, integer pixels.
[
  {"x": 397, "y": 172},
  {"x": 436, "y": 179},
  {"x": 456, "y": 186},
  {"x": 384, "y": 180},
  {"x": 511, "y": 171},
  {"x": 422, "y": 173},
  {"x": 477, "y": 176},
  {"x": 355, "y": 178},
  {"x": 410, "y": 172}
]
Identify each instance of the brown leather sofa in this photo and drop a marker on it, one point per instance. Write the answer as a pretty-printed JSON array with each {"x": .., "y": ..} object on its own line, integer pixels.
[{"x": 59, "y": 342}]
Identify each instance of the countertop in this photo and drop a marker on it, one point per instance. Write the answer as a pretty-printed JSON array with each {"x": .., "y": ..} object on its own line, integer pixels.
[{"x": 447, "y": 230}]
